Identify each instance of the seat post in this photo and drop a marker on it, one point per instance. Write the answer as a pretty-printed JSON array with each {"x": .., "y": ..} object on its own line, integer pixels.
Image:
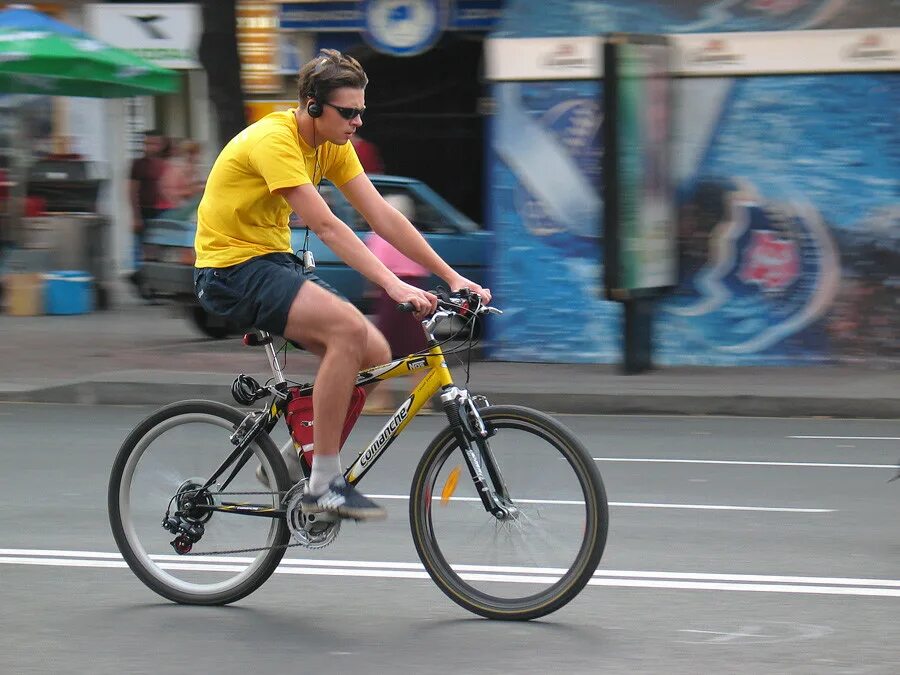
[{"x": 272, "y": 356}]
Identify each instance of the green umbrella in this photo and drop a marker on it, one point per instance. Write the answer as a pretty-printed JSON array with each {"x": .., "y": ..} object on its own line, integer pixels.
[{"x": 43, "y": 62}]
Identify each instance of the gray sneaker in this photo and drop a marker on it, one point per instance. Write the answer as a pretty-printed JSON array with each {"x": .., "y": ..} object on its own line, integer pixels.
[
  {"x": 343, "y": 500},
  {"x": 291, "y": 459}
]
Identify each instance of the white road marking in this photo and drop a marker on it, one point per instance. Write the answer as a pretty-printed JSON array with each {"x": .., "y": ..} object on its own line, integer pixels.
[
  {"x": 721, "y": 507},
  {"x": 642, "y": 505},
  {"x": 827, "y": 465},
  {"x": 536, "y": 575},
  {"x": 851, "y": 438}
]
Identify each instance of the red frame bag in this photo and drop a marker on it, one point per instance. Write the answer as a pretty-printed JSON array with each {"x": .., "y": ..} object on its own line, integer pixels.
[{"x": 299, "y": 417}]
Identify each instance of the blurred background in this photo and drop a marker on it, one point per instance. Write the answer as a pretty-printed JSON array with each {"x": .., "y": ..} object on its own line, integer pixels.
[
  {"x": 713, "y": 185},
  {"x": 780, "y": 128}
]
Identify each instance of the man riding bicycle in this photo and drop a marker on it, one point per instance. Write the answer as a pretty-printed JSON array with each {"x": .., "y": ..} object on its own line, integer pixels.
[{"x": 247, "y": 272}]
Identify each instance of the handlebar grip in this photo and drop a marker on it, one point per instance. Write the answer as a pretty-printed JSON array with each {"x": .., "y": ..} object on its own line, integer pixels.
[{"x": 407, "y": 307}]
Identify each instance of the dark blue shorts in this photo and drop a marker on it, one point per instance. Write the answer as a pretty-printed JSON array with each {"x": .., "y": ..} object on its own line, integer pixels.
[{"x": 256, "y": 293}]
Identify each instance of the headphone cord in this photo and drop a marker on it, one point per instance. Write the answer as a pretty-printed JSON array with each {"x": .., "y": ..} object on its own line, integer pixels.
[{"x": 318, "y": 185}]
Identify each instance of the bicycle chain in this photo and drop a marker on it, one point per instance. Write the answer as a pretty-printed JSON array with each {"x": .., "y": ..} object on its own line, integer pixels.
[{"x": 245, "y": 550}]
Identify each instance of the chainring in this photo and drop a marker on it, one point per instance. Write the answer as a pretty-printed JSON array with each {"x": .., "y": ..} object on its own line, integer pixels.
[{"x": 314, "y": 530}]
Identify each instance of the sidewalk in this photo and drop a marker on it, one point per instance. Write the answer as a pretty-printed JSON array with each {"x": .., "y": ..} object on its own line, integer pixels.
[{"x": 141, "y": 354}]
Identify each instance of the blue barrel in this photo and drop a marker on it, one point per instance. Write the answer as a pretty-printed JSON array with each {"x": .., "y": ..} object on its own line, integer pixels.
[{"x": 68, "y": 292}]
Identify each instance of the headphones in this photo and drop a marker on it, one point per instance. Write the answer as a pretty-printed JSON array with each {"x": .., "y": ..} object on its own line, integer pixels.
[{"x": 314, "y": 108}]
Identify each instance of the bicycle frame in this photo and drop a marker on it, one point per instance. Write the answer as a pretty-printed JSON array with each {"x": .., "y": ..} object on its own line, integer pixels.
[{"x": 437, "y": 378}]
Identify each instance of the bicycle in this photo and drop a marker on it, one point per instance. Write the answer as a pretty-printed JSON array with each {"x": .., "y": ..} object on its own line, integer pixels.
[{"x": 497, "y": 482}]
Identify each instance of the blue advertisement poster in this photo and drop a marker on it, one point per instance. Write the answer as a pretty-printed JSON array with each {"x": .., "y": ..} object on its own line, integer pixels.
[
  {"x": 528, "y": 18},
  {"x": 788, "y": 216},
  {"x": 544, "y": 169},
  {"x": 789, "y": 225},
  {"x": 788, "y": 198}
]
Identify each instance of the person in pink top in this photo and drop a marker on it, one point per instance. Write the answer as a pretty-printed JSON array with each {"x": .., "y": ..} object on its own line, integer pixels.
[{"x": 403, "y": 331}]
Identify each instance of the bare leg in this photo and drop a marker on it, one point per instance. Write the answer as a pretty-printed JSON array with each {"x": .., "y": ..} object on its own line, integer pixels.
[{"x": 346, "y": 342}]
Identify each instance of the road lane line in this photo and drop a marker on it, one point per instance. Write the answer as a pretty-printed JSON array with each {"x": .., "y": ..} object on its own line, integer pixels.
[
  {"x": 851, "y": 438},
  {"x": 642, "y": 505},
  {"x": 202, "y": 561},
  {"x": 60, "y": 553},
  {"x": 827, "y": 465},
  {"x": 721, "y": 507},
  {"x": 759, "y": 588},
  {"x": 766, "y": 578},
  {"x": 61, "y": 562},
  {"x": 611, "y": 578}
]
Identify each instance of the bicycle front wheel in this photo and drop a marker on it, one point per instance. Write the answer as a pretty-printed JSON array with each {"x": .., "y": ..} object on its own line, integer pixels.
[
  {"x": 541, "y": 554},
  {"x": 159, "y": 470}
]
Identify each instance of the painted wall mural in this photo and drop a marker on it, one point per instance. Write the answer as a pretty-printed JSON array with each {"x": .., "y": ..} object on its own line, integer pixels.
[
  {"x": 789, "y": 222},
  {"x": 529, "y": 18},
  {"x": 544, "y": 169}
]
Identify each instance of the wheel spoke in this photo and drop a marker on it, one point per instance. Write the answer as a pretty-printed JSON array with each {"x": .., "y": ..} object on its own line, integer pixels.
[
  {"x": 558, "y": 524},
  {"x": 159, "y": 471}
]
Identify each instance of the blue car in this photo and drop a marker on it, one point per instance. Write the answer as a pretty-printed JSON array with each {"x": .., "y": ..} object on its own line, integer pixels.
[{"x": 168, "y": 254}]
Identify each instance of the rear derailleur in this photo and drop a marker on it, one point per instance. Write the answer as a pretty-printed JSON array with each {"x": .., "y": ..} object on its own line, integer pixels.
[{"x": 187, "y": 522}]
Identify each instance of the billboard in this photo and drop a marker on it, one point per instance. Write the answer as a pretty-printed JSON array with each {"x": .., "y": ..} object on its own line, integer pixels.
[
  {"x": 544, "y": 170},
  {"x": 788, "y": 216},
  {"x": 789, "y": 222},
  {"x": 533, "y": 18},
  {"x": 787, "y": 187}
]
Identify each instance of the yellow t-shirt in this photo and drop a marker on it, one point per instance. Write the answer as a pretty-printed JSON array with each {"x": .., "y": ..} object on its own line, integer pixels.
[{"x": 240, "y": 216}]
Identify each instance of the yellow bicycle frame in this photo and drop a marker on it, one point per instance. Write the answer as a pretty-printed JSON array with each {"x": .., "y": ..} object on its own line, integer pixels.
[{"x": 438, "y": 377}]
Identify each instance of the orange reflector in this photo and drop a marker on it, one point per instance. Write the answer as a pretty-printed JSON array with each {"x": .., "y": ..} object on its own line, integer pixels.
[{"x": 450, "y": 485}]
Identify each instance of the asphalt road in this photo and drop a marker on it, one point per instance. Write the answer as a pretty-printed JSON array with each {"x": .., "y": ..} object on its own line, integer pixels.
[{"x": 735, "y": 546}]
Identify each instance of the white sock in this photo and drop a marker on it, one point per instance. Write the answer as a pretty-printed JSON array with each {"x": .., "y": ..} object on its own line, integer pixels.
[{"x": 324, "y": 469}]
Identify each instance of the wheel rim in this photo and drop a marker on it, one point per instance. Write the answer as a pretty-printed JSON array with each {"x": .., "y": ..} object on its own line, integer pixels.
[
  {"x": 151, "y": 477},
  {"x": 524, "y": 562}
]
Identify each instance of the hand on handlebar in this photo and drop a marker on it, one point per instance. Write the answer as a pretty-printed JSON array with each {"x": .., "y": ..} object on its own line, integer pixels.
[
  {"x": 464, "y": 302},
  {"x": 460, "y": 283},
  {"x": 421, "y": 302}
]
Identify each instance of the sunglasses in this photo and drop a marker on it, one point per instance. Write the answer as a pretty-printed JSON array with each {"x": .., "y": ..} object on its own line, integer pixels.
[{"x": 347, "y": 113}]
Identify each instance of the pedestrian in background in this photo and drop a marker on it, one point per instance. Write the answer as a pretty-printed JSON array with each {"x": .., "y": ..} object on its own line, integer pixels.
[
  {"x": 181, "y": 179},
  {"x": 403, "y": 331},
  {"x": 368, "y": 154},
  {"x": 143, "y": 189}
]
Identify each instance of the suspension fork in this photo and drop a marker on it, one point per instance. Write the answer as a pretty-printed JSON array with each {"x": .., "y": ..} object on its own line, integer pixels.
[{"x": 472, "y": 438}]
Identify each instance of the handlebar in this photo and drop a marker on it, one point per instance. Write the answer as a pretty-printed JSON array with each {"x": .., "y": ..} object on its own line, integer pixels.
[{"x": 462, "y": 302}]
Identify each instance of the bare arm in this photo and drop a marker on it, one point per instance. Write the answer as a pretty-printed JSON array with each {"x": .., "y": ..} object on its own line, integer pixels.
[
  {"x": 336, "y": 235},
  {"x": 393, "y": 226}
]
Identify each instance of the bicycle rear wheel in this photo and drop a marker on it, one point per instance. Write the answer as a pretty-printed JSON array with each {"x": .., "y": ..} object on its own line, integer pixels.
[
  {"x": 159, "y": 468},
  {"x": 542, "y": 555}
]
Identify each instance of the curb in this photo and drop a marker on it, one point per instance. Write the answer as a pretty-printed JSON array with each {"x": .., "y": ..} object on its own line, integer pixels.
[{"x": 148, "y": 393}]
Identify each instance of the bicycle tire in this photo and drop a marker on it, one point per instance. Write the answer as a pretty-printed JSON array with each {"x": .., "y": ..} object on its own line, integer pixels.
[
  {"x": 541, "y": 429},
  {"x": 149, "y": 569}
]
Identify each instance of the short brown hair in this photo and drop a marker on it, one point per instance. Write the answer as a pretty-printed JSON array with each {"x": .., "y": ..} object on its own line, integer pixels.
[{"x": 330, "y": 70}]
